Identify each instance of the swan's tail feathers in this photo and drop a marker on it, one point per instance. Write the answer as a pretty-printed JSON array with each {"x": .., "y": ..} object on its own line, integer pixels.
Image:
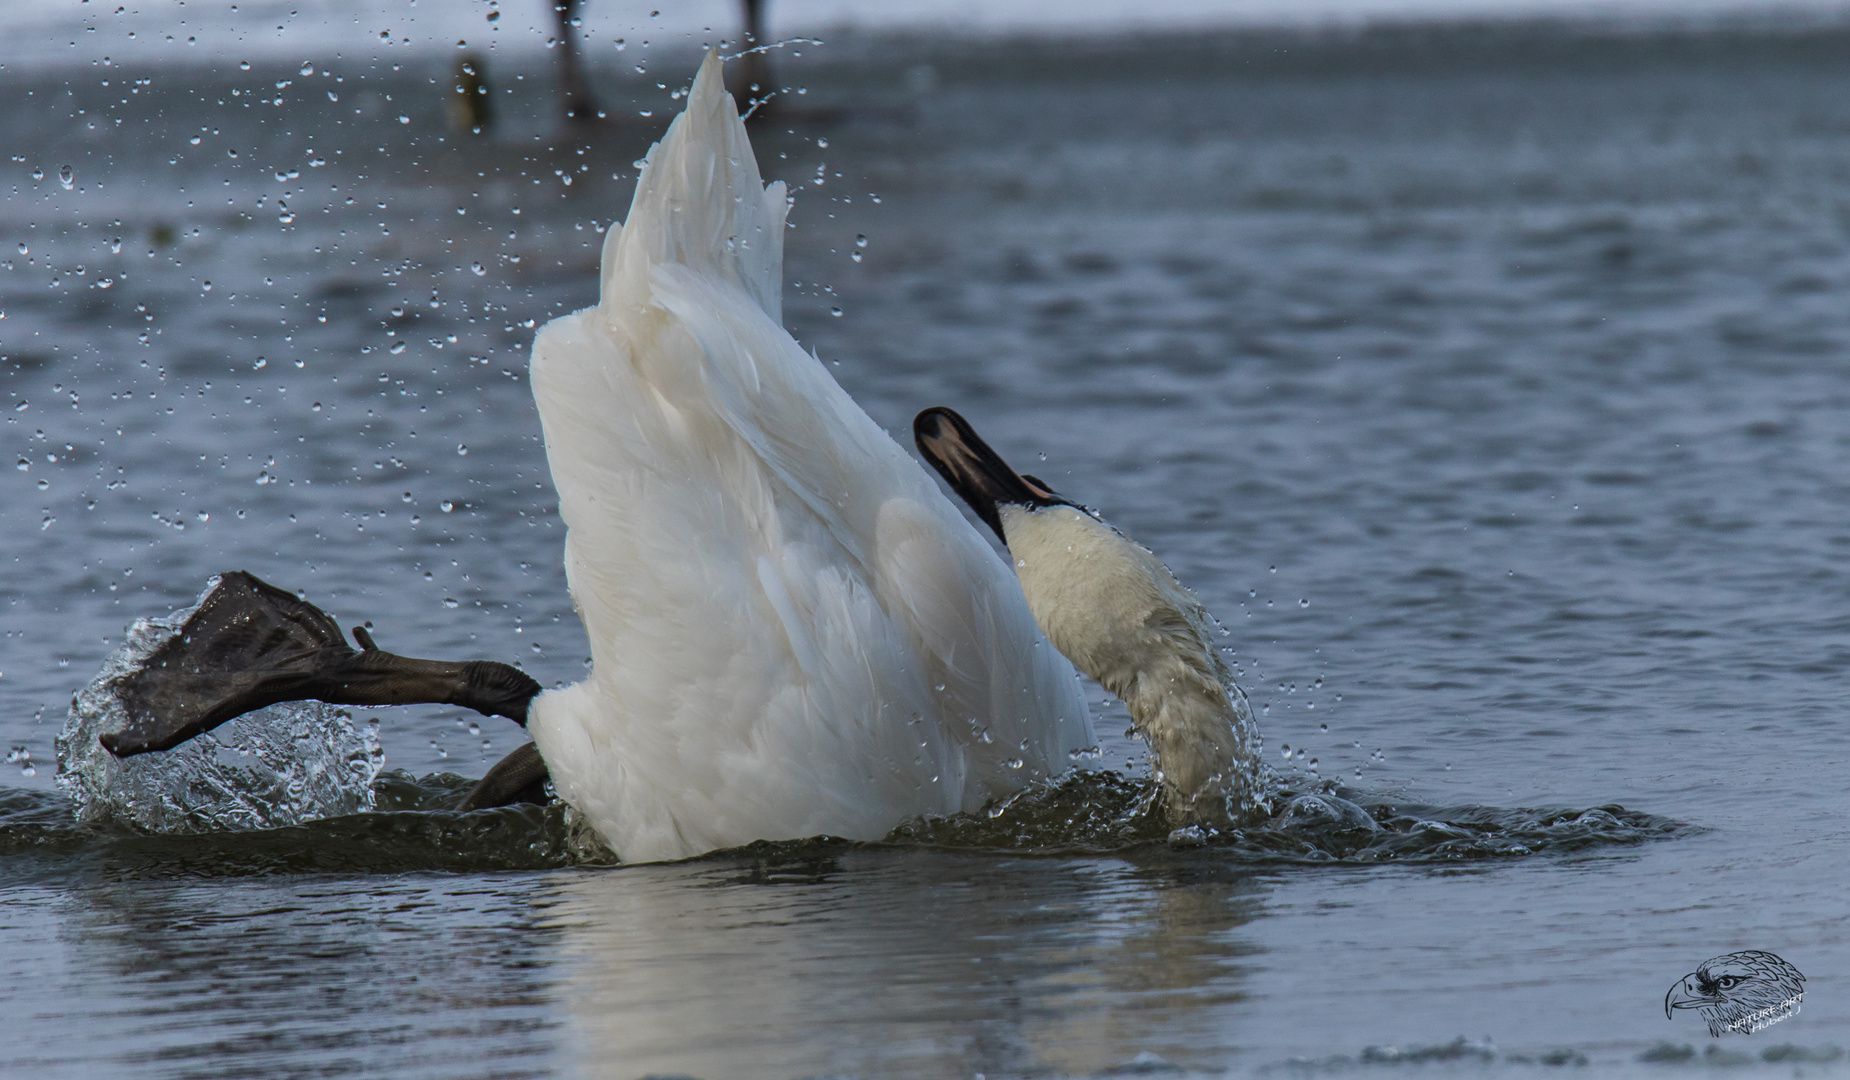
[
  {"x": 250, "y": 644},
  {"x": 700, "y": 203}
]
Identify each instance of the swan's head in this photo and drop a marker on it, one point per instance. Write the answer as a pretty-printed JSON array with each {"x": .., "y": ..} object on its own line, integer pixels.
[{"x": 975, "y": 472}]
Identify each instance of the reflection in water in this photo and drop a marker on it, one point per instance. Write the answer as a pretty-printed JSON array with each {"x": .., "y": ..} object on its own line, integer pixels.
[
  {"x": 403, "y": 977},
  {"x": 896, "y": 963},
  {"x": 861, "y": 961}
]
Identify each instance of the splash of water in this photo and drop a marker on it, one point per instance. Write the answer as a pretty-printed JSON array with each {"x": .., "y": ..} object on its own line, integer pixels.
[
  {"x": 280, "y": 765},
  {"x": 1108, "y": 811},
  {"x": 414, "y": 826}
]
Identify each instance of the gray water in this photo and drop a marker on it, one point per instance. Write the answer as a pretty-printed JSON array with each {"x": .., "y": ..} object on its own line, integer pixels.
[{"x": 1489, "y": 383}]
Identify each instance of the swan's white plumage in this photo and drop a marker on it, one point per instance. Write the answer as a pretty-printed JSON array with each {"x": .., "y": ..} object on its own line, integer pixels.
[{"x": 792, "y": 630}]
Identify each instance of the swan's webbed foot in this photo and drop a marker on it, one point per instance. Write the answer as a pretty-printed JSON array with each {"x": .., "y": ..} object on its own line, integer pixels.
[
  {"x": 250, "y": 644},
  {"x": 519, "y": 777}
]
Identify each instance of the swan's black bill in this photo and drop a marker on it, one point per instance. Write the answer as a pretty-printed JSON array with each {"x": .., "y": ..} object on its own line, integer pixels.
[
  {"x": 975, "y": 472},
  {"x": 251, "y": 644}
]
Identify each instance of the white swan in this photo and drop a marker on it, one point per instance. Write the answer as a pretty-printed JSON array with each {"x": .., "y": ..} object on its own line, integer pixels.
[
  {"x": 1119, "y": 614},
  {"x": 792, "y": 630}
]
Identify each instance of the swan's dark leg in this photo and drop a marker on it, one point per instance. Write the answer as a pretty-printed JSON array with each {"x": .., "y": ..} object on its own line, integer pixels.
[
  {"x": 471, "y": 105},
  {"x": 578, "y": 103},
  {"x": 754, "y": 83},
  {"x": 251, "y": 644},
  {"x": 519, "y": 777}
]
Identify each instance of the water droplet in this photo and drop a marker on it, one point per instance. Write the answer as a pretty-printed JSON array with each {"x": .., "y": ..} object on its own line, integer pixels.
[
  {"x": 66, "y": 177},
  {"x": 860, "y": 241},
  {"x": 462, "y": 450},
  {"x": 244, "y": 65},
  {"x": 446, "y": 506},
  {"x": 449, "y": 602},
  {"x": 477, "y": 269},
  {"x": 1303, "y": 603},
  {"x": 38, "y": 173},
  {"x": 835, "y": 311},
  {"x": 404, "y": 119},
  {"x": 494, "y": 16},
  {"x": 307, "y": 68},
  {"x": 397, "y": 347},
  {"x": 23, "y": 249}
]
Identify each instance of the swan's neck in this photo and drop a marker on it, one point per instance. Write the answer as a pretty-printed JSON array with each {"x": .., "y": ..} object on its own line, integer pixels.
[{"x": 1122, "y": 618}]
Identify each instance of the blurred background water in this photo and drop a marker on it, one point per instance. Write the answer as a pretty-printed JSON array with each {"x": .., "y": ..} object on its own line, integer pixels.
[{"x": 1487, "y": 379}]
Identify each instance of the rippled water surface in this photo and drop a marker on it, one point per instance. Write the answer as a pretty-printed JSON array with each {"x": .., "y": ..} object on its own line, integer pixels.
[{"x": 1491, "y": 386}]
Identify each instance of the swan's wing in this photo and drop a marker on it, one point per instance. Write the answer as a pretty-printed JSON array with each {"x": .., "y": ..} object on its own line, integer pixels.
[
  {"x": 773, "y": 590},
  {"x": 960, "y": 608},
  {"x": 746, "y": 681},
  {"x": 1002, "y": 691}
]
